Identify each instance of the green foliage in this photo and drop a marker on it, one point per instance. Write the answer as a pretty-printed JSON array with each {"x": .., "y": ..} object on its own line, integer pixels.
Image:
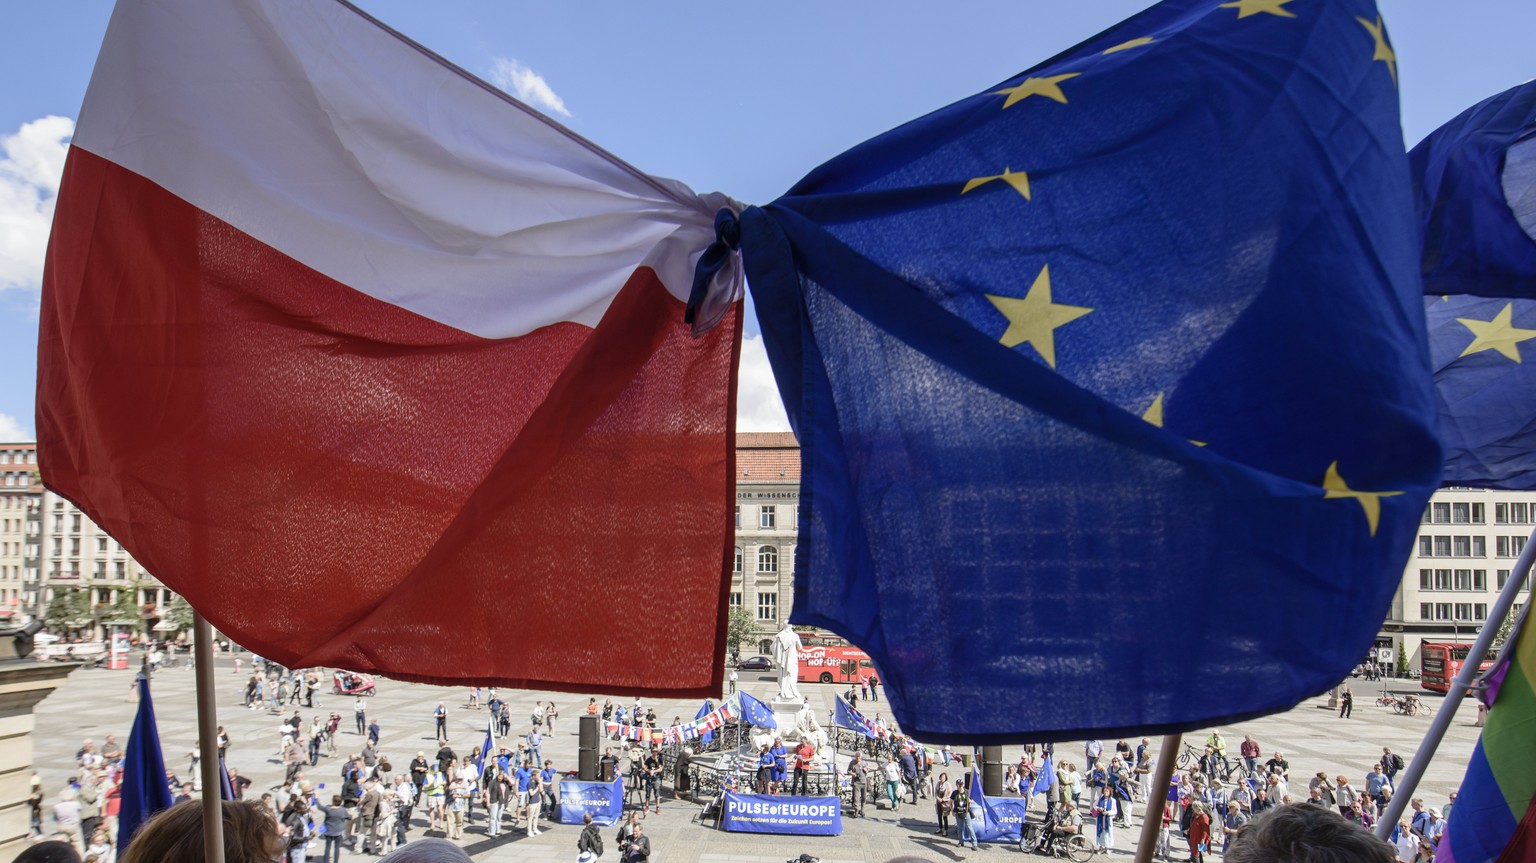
[
  {"x": 1402, "y": 659},
  {"x": 179, "y": 613},
  {"x": 126, "y": 608},
  {"x": 70, "y": 609},
  {"x": 739, "y": 627}
]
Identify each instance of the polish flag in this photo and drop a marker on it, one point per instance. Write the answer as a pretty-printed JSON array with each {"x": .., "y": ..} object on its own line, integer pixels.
[{"x": 382, "y": 369}]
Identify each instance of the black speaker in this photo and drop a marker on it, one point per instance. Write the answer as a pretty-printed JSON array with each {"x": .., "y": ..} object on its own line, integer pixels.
[
  {"x": 586, "y": 748},
  {"x": 992, "y": 770}
]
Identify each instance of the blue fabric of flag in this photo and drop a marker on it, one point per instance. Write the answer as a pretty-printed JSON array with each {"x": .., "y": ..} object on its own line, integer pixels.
[
  {"x": 1478, "y": 347},
  {"x": 1131, "y": 340},
  {"x": 145, "y": 790},
  {"x": 755, "y": 712},
  {"x": 226, "y": 788},
  {"x": 847, "y": 717},
  {"x": 704, "y": 710},
  {"x": 1046, "y": 780},
  {"x": 1475, "y": 183},
  {"x": 487, "y": 749}
]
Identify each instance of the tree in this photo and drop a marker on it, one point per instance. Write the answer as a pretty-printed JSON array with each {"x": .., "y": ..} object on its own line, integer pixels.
[
  {"x": 739, "y": 627},
  {"x": 1505, "y": 629},
  {"x": 1402, "y": 659},
  {"x": 69, "y": 609},
  {"x": 179, "y": 614}
]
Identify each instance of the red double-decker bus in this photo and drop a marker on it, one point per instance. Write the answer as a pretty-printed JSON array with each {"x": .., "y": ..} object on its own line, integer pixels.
[
  {"x": 829, "y": 658},
  {"x": 1441, "y": 661}
]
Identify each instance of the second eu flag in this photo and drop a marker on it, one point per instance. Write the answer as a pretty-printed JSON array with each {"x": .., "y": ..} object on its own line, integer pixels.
[{"x": 1110, "y": 379}]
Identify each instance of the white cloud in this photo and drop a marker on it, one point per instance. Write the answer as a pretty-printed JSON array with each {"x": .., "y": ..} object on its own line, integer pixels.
[
  {"x": 758, "y": 406},
  {"x": 11, "y": 430},
  {"x": 31, "y": 164},
  {"x": 526, "y": 85}
]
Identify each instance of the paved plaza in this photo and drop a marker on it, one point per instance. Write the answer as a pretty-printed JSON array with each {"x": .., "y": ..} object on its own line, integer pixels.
[{"x": 97, "y": 702}]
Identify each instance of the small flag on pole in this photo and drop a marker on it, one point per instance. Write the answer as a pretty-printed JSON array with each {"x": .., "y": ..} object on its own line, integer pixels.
[{"x": 145, "y": 791}]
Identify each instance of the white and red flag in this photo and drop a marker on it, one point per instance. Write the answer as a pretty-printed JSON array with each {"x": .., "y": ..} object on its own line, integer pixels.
[{"x": 380, "y": 368}]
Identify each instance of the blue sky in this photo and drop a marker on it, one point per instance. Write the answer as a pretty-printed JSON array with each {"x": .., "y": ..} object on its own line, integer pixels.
[{"x": 738, "y": 98}]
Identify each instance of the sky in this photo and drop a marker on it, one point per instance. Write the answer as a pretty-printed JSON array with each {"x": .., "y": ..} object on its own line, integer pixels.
[{"x": 739, "y": 98}]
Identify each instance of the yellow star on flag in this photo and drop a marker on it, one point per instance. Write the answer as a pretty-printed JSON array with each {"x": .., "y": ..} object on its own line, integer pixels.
[
  {"x": 1049, "y": 87},
  {"x": 1384, "y": 51},
  {"x": 1499, "y": 334},
  {"x": 1154, "y": 413},
  {"x": 1254, "y": 7},
  {"x": 1370, "y": 501},
  {"x": 1034, "y": 318},
  {"x": 1126, "y": 46},
  {"x": 1017, "y": 179}
]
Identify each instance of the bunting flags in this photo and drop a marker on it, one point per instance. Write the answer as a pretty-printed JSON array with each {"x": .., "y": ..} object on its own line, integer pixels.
[
  {"x": 145, "y": 791},
  {"x": 1142, "y": 321}
]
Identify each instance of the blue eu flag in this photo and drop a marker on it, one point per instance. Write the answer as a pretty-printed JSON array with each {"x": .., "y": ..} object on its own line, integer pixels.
[
  {"x": 145, "y": 791},
  {"x": 1475, "y": 181},
  {"x": 1110, "y": 380}
]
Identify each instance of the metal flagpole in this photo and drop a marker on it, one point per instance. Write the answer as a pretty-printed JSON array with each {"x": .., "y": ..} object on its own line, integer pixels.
[
  {"x": 1157, "y": 797},
  {"x": 207, "y": 731},
  {"x": 1403, "y": 792}
]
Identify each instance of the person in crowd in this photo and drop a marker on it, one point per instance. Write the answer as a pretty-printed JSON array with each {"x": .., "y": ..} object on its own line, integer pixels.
[
  {"x": 495, "y": 792},
  {"x": 652, "y": 767},
  {"x": 637, "y": 847},
  {"x": 360, "y": 713},
  {"x": 1199, "y": 834},
  {"x": 1346, "y": 702},
  {"x": 335, "y": 817},
  {"x": 406, "y": 793},
  {"x": 66, "y": 817},
  {"x": 780, "y": 764},
  {"x": 908, "y": 763},
  {"x": 458, "y": 807},
  {"x": 1103, "y": 813},
  {"x": 439, "y": 721},
  {"x": 857, "y": 781},
  {"x": 893, "y": 780},
  {"x": 965, "y": 821},
  {"x": 1278, "y": 766},
  {"x": 1305, "y": 834},
  {"x": 590, "y": 842},
  {"x": 435, "y": 791},
  {"x": 296, "y": 826},
  {"x": 943, "y": 803},
  {"x": 1391, "y": 763},
  {"x": 1347, "y": 799},
  {"x": 1249, "y": 750},
  {"x": 175, "y": 835},
  {"x": 804, "y": 753},
  {"x": 1233, "y": 822}
]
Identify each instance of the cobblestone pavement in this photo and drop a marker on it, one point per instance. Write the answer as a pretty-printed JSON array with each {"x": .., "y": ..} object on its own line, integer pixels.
[{"x": 98, "y": 702}]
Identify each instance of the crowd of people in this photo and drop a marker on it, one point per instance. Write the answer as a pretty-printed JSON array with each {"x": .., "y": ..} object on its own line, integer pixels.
[{"x": 380, "y": 800}]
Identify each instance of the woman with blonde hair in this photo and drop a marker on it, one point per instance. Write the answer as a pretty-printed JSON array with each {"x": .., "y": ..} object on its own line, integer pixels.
[{"x": 175, "y": 835}]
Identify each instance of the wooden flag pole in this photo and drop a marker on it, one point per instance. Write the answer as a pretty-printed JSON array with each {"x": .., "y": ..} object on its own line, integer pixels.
[
  {"x": 1403, "y": 793},
  {"x": 207, "y": 742},
  {"x": 1157, "y": 797}
]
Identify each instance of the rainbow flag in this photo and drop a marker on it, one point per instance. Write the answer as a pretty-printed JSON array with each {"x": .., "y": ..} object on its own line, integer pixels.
[{"x": 1494, "y": 820}]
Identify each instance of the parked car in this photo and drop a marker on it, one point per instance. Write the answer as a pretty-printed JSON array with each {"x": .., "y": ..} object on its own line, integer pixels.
[{"x": 756, "y": 663}]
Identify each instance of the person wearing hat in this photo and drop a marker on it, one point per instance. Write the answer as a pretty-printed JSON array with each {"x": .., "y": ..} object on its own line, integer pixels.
[{"x": 1434, "y": 828}]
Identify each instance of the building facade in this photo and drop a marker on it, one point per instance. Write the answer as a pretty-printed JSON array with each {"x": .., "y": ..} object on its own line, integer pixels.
[
  {"x": 1467, "y": 545},
  {"x": 767, "y": 523},
  {"x": 48, "y": 546}
]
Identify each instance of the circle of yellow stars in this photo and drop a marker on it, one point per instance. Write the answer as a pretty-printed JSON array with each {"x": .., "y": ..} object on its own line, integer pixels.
[{"x": 1034, "y": 318}]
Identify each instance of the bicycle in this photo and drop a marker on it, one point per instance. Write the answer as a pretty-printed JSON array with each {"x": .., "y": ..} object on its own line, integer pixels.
[{"x": 1042, "y": 838}]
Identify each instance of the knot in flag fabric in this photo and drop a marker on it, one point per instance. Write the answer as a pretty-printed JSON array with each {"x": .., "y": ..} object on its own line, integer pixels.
[
  {"x": 1126, "y": 345},
  {"x": 705, "y": 307}
]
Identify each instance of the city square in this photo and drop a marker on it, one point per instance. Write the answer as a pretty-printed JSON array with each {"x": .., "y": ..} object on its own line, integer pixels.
[{"x": 97, "y": 702}]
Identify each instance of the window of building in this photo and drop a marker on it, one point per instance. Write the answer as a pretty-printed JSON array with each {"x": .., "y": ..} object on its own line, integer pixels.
[
  {"x": 1508, "y": 546},
  {"x": 1479, "y": 514},
  {"x": 74, "y": 523},
  {"x": 1461, "y": 546},
  {"x": 735, "y": 599},
  {"x": 1470, "y": 579},
  {"x": 101, "y": 545},
  {"x": 1471, "y": 610},
  {"x": 768, "y": 559},
  {"x": 738, "y": 516},
  {"x": 74, "y": 547},
  {"x": 1461, "y": 513},
  {"x": 1426, "y": 547},
  {"x": 767, "y": 606},
  {"x": 101, "y": 569},
  {"x": 5, "y": 457},
  {"x": 1503, "y": 579},
  {"x": 1442, "y": 546},
  {"x": 1442, "y": 512},
  {"x": 767, "y": 516},
  {"x": 122, "y": 569}
]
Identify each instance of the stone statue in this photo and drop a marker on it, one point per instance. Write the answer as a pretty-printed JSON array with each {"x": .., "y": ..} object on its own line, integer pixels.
[
  {"x": 786, "y": 655},
  {"x": 809, "y": 728}
]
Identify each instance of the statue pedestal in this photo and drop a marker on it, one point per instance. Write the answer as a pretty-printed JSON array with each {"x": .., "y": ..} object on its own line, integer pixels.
[{"x": 785, "y": 712}]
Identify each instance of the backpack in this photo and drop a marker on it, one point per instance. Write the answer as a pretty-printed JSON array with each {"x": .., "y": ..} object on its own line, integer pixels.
[
  {"x": 591, "y": 840},
  {"x": 1397, "y": 761}
]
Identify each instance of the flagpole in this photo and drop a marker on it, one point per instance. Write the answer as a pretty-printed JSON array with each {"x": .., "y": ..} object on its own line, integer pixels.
[
  {"x": 207, "y": 732},
  {"x": 1157, "y": 797},
  {"x": 1470, "y": 668}
]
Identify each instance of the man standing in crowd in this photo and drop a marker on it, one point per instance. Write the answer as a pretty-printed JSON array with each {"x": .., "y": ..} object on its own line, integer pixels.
[{"x": 440, "y": 719}]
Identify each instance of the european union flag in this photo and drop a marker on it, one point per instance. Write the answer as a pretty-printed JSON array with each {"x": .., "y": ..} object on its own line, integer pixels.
[
  {"x": 145, "y": 791},
  {"x": 1479, "y": 347},
  {"x": 1127, "y": 345},
  {"x": 1475, "y": 180}
]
